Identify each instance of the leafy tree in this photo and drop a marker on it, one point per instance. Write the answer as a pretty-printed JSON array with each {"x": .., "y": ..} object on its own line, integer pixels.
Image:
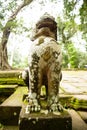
[
  {"x": 73, "y": 56},
  {"x": 67, "y": 28},
  {"x": 83, "y": 17},
  {"x": 7, "y": 28},
  {"x": 65, "y": 60},
  {"x": 82, "y": 59}
]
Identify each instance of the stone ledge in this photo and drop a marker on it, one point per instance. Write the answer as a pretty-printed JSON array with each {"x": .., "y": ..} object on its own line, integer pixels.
[
  {"x": 9, "y": 115},
  {"x": 77, "y": 122},
  {"x": 83, "y": 115},
  {"x": 10, "y": 108},
  {"x": 42, "y": 121}
]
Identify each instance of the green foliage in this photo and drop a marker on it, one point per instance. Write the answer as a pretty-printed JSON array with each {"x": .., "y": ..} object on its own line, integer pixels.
[
  {"x": 18, "y": 60},
  {"x": 70, "y": 56},
  {"x": 66, "y": 32},
  {"x": 83, "y": 12},
  {"x": 19, "y": 63},
  {"x": 6, "y": 9},
  {"x": 67, "y": 28},
  {"x": 73, "y": 56},
  {"x": 69, "y": 10},
  {"x": 65, "y": 60},
  {"x": 83, "y": 17},
  {"x": 69, "y": 6},
  {"x": 82, "y": 59}
]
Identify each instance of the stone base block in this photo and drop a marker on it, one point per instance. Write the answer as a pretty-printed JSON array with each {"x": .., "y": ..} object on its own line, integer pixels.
[
  {"x": 9, "y": 115},
  {"x": 45, "y": 121}
]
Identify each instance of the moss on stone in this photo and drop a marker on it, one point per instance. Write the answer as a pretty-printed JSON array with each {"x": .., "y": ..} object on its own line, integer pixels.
[
  {"x": 79, "y": 103},
  {"x": 11, "y": 77},
  {"x": 9, "y": 81},
  {"x": 65, "y": 101}
]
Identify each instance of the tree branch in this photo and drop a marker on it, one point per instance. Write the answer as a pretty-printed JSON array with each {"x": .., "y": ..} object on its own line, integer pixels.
[
  {"x": 6, "y": 32},
  {"x": 7, "y": 28},
  {"x": 25, "y": 3}
]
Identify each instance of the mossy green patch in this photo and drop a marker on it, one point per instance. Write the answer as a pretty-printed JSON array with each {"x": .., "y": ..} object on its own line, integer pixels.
[
  {"x": 65, "y": 101},
  {"x": 78, "y": 103},
  {"x": 9, "y": 81}
]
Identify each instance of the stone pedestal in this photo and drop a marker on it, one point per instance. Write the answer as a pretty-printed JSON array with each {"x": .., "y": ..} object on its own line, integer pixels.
[{"x": 45, "y": 121}]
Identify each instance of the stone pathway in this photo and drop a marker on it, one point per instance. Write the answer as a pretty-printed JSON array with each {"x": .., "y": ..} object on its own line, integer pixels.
[{"x": 74, "y": 82}]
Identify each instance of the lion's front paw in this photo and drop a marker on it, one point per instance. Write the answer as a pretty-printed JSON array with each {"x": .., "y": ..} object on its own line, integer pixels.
[
  {"x": 56, "y": 107},
  {"x": 32, "y": 106}
]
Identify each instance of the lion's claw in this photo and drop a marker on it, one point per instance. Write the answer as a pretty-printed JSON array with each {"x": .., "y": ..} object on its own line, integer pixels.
[
  {"x": 32, "y": 108},
  {"x": 56, "y": 107}
]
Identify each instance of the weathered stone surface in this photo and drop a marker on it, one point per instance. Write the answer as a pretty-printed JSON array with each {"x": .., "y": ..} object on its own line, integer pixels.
[
  {"x": 45, "y": 21},
  {"x": 9, "y": 115},
  {"x": 77, "y": 122},
  {"x": 10, "y": 108},
  {"x": 83, "y": 115},
  {"x": 69, "y": 88},
  {"x": 45, "y": 121},
  {"x": 11, "y": 77},
  {"x": 10, "y": 128},
  {"x": 6, "y": 91},
  {"x": 12, "y": 81},
  {"x": 10, "y": 74}
]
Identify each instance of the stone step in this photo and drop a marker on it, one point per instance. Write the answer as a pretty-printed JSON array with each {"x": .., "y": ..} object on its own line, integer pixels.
[
  {"x": 12, "y": 81},
  {"x": 10, "y": 74},
  {"x": 77, "y": 122},
  {"x": 7, "y": 89},
  {"x": 10, "y": 108},
  {"x": 11, "y": 77}
]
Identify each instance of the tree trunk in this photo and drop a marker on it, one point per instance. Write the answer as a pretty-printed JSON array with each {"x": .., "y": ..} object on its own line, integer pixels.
[
  {"x": 6, "y": 32},
  {"x": 4, "y": 58},
  {"x": 3, "y": 47}
]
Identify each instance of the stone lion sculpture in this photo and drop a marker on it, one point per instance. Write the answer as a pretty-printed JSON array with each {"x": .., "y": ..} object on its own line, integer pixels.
[{"x": 44, "y": 65}]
